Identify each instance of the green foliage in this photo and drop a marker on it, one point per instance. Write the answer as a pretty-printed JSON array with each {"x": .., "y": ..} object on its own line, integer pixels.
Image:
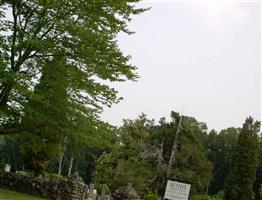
[
  {"x": 219, "y": 148},
  {"x": 82, "y": 33},
  {"x": 204, "y": 197},
  {"x": 260, "y": 190},
  {"x": 151, "y": 196},
  {"x": 239, "y": 183},
  {"x": 200, "y": 197},
  {"x": 124, "y": 164},
  {"x": 46, "y": 117},
  {"x": 53, "y": 176},
  {"x": 257, "y": 184},
  {"x": 10, "y": 152},
  {"x": 55, "y": 67},
  {"x": 143, "y": 152},
  {"x": 190, "y": 162}
]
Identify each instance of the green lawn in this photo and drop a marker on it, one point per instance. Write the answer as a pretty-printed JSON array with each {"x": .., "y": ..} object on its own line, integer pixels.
[{"x": 11, "y": 195}]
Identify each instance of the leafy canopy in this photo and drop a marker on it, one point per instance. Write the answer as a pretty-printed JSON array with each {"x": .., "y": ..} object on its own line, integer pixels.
[{"x": 82, "y": 32}]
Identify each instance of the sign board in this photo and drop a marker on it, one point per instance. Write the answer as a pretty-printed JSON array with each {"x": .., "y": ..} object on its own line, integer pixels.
[{"x": 177, "y": 190}]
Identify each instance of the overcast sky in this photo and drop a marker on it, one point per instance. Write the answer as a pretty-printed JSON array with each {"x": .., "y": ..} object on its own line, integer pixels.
[{"x": 203, "y": 56}]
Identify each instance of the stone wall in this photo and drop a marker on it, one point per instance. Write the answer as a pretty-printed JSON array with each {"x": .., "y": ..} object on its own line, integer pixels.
[{"x": 72, "y": 188}]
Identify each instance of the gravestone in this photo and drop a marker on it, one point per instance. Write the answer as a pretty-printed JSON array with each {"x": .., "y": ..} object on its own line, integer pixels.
[
  {"x": 92, "y": 194},
  {"x": 103, "y": 191},
  {"x": 7, "y": 168}
]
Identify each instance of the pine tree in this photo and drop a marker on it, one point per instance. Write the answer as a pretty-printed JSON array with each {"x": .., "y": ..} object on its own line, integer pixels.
[
  {"x": 46, "y": 116},
  {"x": 240, "y": 181}
]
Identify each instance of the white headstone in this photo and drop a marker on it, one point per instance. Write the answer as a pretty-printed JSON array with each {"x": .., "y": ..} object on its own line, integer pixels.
[
  {"x": 103, "y": 191},
  {"x": 91, "y": 188},
  {"x": 7, "y": 167},
  {"x": 176, "y": 190}
]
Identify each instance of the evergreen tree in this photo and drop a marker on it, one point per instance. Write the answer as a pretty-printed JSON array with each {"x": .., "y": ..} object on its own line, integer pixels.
[
  {"x": 46, "y": 117},
  {"x": 240, "y": 181},
  {"x": 190, "y": 163},
  {"x": 220, "y": 148}
]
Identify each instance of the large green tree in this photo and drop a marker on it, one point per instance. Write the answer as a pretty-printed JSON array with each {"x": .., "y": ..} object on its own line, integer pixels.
[
  {"x": 52, "y": 117},
  {"x": 257, "y": 184},
  {"x": 190, "y": 162},
  {"x": 219, "y": 148},
  {"x": 83, "y": 32},
  {"x": 239, "y": 183},
  {"x": 125, "y": 164},
  {"x": 143, "y": 153},
  {"x": 46, "y": 119}
]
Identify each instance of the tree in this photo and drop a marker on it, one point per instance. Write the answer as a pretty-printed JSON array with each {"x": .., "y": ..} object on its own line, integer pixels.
[
  {"x": 190, "y": 162},
  {"x": 125, "y": 164},
  {"x": 219, "y": 148},
  {"x": 142, "y": 156},
  {"x": 46, "y": 117},
  {"x": 54, "y": 68},
  {"x": 242, "y": 174},
  {"x": 10, "y": 153},
  {"x": 257, "y": 184},
  {"x": 50, "y": 118},
  {"x": 82, "y": 32}
]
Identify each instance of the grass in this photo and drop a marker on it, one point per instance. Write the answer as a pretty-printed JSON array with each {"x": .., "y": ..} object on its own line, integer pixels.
[{"x": 11, "y": 195}]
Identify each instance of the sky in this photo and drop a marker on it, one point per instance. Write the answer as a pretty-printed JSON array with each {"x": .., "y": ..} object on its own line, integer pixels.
[{"x": 201, "y": 58}]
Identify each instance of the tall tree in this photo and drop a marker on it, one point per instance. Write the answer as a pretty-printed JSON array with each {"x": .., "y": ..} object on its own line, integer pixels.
[
  {"x": 239, "y": 183},
  {"x": 46, "y": 117},
  {"x": 50, "y": 117},
  {"x": 220, "y": 148},
  {"x": 257, "y": 184},
  {"x": 125, "y": 165},
  {"x": 190, "y": 162},
  {"x": 144, "y": 152},
  {"x": 84, "y": 32}
]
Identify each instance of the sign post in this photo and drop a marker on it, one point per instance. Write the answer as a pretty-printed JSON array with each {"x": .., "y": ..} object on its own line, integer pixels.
[{"x": 176, "y": 190}]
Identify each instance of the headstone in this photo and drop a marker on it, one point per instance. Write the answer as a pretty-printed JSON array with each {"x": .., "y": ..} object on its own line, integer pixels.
[
  {"x": 23, "y": 173},
  {"x": 94, "y": 194},
  {"x": 103, "y": 191},
  {"x": 91, "y": 188},
  {"x": 7, "y": 168}
]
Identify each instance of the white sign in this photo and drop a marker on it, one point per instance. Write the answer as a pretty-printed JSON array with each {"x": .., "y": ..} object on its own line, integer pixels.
[{"x": 177, "y": 191}]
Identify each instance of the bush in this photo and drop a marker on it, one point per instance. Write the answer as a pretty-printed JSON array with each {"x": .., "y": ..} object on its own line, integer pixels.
[
  {"x": 151, "y": 196},
  {"x": 260, "y": 192},
  {"x": 200, "y": 197},
  {"x": 206, "y": 197},
  {"x": 56, "y": 177},
  {"x": 53, "y": 176}
]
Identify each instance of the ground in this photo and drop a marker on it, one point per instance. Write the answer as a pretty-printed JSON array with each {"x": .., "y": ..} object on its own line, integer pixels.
[{"x": 11, "y": 195}]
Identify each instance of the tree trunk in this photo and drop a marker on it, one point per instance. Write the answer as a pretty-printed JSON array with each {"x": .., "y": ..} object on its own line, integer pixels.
[
  {"x": 60, "y": 162},
  {"x": 61, "y": 156},
  {"x": 70, "y": 166}
]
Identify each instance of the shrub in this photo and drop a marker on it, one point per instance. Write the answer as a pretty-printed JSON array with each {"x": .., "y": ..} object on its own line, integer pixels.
[
  {"x": 200, "y": 197},
  {"x": 151, "y": 196},
  {"x": 219, "y": 196}
]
